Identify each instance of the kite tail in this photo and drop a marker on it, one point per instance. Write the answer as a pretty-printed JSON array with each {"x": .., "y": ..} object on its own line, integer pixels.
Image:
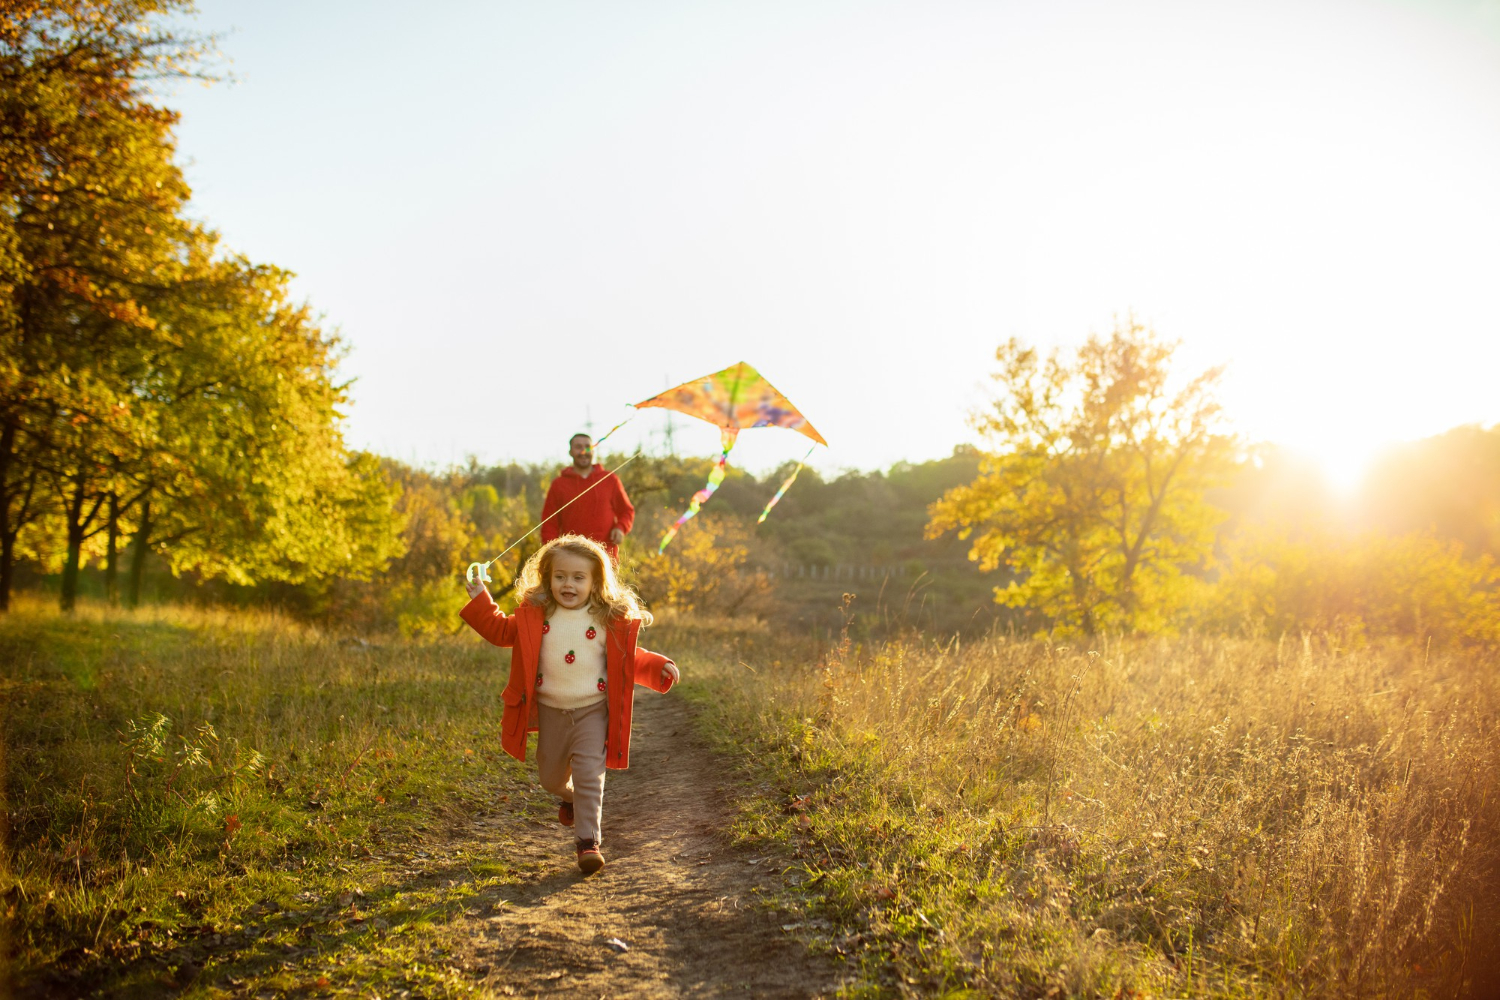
[
  {"x": 607, "y": 433},
  {"x": 784, "y": 487},
  {"x": 727, "y": 436}
]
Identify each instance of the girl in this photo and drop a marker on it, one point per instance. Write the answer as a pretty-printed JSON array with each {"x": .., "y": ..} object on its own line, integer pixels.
[{"x": 573, "y": 674}]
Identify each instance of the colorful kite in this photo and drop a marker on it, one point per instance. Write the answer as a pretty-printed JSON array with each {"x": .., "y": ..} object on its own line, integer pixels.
[{"x": 735, "y": 399}]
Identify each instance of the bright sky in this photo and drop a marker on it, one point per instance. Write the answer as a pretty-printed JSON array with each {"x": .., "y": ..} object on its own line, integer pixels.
[{"x": 523, "y": 215}]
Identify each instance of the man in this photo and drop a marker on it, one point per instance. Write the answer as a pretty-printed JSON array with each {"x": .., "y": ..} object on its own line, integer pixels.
[{"x": 604, "y": 513}]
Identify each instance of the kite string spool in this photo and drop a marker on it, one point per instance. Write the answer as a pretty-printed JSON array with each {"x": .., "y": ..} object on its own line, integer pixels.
[{"x": 481, "y": 571}]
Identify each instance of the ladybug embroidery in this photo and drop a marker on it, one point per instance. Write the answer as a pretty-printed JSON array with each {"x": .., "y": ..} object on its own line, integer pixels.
[
  {"x": 546, "y": 626},
  {"x": 601, "y": 684},
  {"x": 538, "y": 680},
  {"x": 570, "y": 657},
  {"x": 590, "y": 633}
]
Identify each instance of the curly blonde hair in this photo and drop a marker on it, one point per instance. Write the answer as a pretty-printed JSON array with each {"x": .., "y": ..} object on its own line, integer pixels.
[{"x": 609, "y": 597}]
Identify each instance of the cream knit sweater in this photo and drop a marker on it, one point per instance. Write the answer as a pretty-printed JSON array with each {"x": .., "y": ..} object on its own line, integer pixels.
[{"x": 571, "y": 672}]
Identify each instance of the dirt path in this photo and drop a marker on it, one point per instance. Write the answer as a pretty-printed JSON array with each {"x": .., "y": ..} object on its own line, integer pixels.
[{"x": 687, "y": 906}]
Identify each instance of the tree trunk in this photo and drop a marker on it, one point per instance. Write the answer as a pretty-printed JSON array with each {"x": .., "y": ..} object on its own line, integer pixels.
[
  {"x": 69, "y": 599},
  {"x": 7, "y": 533},
  {"x": 138, "y": 551},
  {"x": 111, "y": 588},
  {"x": 7, "y": 561}
]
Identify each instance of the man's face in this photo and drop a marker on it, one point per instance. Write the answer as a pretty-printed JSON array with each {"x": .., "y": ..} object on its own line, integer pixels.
[{"x": 582, "y": 450}]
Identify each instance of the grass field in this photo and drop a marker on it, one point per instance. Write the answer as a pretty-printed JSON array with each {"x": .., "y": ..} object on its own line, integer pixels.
[
  {"x": 192, "y": 796},
  {"x": 230, "y": 804},
  {"x": 1185, "y": 817}
]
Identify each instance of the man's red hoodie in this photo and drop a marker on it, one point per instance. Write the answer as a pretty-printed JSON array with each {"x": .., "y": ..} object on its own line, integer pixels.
[{"x": 602, "y": 509}]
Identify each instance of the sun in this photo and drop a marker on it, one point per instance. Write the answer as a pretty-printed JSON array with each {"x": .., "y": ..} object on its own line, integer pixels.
[{"x": 1344, "y": 465}]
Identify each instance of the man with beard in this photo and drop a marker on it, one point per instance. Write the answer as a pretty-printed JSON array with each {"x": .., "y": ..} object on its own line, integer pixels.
[{"x": 602, "y": 512}]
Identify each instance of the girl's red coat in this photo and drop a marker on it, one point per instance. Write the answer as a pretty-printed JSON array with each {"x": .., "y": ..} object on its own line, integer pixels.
[{"x": 625, "y": 664}]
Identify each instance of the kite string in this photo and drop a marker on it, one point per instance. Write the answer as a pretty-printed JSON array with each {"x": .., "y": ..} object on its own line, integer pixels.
[
  {"x": 784, "y": 487},
  {"x": 480, "y": 571}
]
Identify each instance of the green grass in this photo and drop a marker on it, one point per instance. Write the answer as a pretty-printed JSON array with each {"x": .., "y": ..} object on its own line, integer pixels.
[
  {"x": 231, "y": 801},
  {"x": 1189, "y": 817}
]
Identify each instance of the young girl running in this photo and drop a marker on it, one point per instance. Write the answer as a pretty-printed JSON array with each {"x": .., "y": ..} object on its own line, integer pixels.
[{"x": 573, "y": 672}]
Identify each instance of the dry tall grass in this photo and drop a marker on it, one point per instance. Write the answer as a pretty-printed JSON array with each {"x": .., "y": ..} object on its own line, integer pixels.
[{"x": 1122, "y": 818}]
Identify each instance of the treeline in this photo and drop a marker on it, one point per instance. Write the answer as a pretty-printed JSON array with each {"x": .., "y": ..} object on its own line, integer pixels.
[
  {"x": 157, "y": 393},
  {"x": 1414, "y": 552},
  {"x": 723, "y": 563}
]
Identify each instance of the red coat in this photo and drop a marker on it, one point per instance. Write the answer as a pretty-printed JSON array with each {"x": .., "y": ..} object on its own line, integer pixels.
[
  {"x": 602, "y": 509},
  {"x": 625, "y": 666}
]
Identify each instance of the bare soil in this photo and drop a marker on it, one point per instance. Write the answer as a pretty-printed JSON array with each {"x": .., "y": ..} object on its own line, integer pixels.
[{"x": 695, "y": 916}]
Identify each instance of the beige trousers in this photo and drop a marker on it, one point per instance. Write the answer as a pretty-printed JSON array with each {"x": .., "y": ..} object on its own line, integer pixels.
[{"x": 570, "y": 761}]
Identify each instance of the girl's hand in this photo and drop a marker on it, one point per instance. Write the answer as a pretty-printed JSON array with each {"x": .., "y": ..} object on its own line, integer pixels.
[
  {"x": 475, "y": 589},
  {"x": 671, "y": 673}
]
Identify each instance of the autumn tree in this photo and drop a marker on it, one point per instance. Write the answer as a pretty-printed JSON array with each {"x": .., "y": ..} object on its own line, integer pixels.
[
  {"x": 153, "y": 386},
  {"x": 1091, "y": 488},
  {"x": 90, "y": 218},
  {"x": 247, "y": 475}
]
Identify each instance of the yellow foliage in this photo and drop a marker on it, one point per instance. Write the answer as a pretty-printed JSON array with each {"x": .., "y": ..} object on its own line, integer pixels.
[
  {"x": 1407, "y": 585},
  {"x": 419, "y": 607},
  {"x": 707, "y": 568},
  {"x": 446, "y": 524},
  {"x": 1091, "y": 492}
]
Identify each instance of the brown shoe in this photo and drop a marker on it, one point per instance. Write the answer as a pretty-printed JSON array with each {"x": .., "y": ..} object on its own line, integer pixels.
[
  {"x": 565, "y": 814},
  {"x": 589, "y": 858}
]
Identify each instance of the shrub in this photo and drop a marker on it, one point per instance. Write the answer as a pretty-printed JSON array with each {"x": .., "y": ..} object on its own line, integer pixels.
[
  {"x": 711, "y": 567},
  {"x": 1372, "y": 585}
]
